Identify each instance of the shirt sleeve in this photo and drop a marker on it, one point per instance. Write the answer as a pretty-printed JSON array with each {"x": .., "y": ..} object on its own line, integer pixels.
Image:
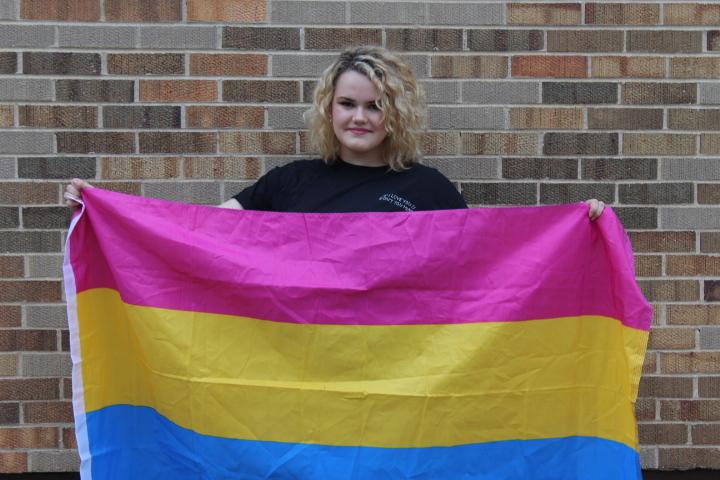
[{"x": 263, "y": 194}]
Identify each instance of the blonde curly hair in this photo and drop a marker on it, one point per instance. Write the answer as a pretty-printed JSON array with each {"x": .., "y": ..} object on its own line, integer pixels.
[{"x": 401, "y": 100}]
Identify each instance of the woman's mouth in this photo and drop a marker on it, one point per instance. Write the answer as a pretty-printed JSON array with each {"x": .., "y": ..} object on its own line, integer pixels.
[{"x": 358, "y": 131}]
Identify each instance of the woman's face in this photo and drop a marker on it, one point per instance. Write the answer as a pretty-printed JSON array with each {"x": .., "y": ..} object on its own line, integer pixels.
[{"x": 357, "y": 120}]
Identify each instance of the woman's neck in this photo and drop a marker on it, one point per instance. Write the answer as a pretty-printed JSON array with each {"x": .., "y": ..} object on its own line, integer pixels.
[{"x": 367, "y": 159}]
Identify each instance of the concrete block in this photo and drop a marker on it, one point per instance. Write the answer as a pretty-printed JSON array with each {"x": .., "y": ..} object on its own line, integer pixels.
[
  {"x": 442, "y": 92},
  {"x": 286, "y": 117},
  {"x": 465, "y": 14},
  {"x": 204, "y": 193},
  {"x": 387, "y": 13},
  {"x": 178, "y": 37},
  {"x": 54, "y": 461},
  {"x": 307, "y": 12},
  {"x": 468, "y": 118},
  {"x": 30, "y": 89},
  {"x": 300, "y": 65},
  {"x": 19, "y": 36},
  {"x": 100, "y": 37},
  {"x": 233, "y": 188},
  {"x": 8, "y": 9},
  {"x": 709, "y": 93},
  {"x": 45, "y": 364},
  {"x": 648, "y": 458},
  {"x": 710, "y": 338},
  {"x": 690, "y": 218},
  {"x": 501, "y": 92},
  {"x": 26, "y": 142},
  {"x": 46, "y": 316},
  {"x": 690, "y": 169},
  {"x": 45, "y": 266},
  {"x": 7, "y": 168}
]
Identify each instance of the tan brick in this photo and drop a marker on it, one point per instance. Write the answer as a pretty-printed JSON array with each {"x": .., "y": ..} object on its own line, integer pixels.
[
  {"x": 47, "y": 412},
  {"x": 178, "y": 90},
  {"x": 649, "y": 93},
  {"x": 181, "y": 142},
  {"x": 692, "y": 14},
  {"x": 13, "y": 462},
  {"x": 659, "y": 144},
  {"x": 624, "y": 67},
  {"x": 670, "y": 290},
  {"x": 17, "y": 438},
  {"x": 469, "y": 66},
  {"x": 690, "y": 362},
  {"x": 228, "y": 64},
  {"x": 648, "y": 265},
  {"x": 621, "y": 14},
  {"x": 544, "y": 14},
  {"x": 339, "y": 38},
  {"x": 146, "y": 64},
  {"x": 225, "y": 117},
  {"x": 688, "y": 458},
  {"x": 498, "y": 144},
  {"x": 672, "y": 339},
  {"x": 440, "y": 143},
  {"x": 549, "y": 66},
  {"x": 705, "y": 434},
  {"x": 8, "y": 365},
  {"x": 710, "y": 242},
  {"x": 662, "y": 241},
  {"x": 67, "y": 10},
  {"x": 663, "y": 433},
  {"x": 17, "y": 193},
  {"x": 708, "y": 193},
  {"x": 585, "y": 41},
  {"x": 693, "y": 265},
  {"x": 222, "y": 167},
  {"x": 7, "y": 116},
  {"x": 69, "y": 440},
  {"x": 12, "y": 266},
  {"x": 695, "y": 67},
  {"x": 694, "y": 119},
  {"x": 117, "y": 168},
  {"x": 710, "y": 144},
  {"x": 645, "y": 409},
  {"x": 650, "y": 363},
  {"x": 226, "y": 10},
  {"x": 693, "y": 314},
  {"x": 57, "y": 117},
  {"x": 625, "y": 118},
  {"x": 546, "y": 118},
  {"x": 257, "y": 142},
  {"x": 143, "y": 10}
]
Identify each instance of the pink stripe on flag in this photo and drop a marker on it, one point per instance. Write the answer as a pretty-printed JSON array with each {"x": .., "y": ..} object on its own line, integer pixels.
[{"x": 457, "y": 266}]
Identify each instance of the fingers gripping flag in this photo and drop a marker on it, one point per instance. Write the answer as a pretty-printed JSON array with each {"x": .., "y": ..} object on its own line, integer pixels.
[{"x": 490, "y": 343}]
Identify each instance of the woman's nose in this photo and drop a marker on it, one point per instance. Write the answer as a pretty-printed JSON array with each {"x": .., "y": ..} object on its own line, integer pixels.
[{"x": 360, "y": 115}]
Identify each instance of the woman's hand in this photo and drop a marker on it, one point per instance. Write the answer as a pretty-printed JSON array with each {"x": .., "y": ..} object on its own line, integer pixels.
[
  {"x": 596, "y": 208},
  {"x": 73, "y": 192}
]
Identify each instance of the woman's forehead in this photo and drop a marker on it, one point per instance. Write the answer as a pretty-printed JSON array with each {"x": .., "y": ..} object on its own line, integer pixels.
[{"x": 355, "y": 85}]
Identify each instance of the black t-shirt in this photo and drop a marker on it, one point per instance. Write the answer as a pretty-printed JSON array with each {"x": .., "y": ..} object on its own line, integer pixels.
[{"x": 315, "y": 186}]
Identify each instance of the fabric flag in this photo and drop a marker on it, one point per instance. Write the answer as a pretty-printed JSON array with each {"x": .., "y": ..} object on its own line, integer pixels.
[{"x": 466, "y": 344}]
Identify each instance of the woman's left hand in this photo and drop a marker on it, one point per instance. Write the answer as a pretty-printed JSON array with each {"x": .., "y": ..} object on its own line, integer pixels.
[{"x": 596, "y": 208}]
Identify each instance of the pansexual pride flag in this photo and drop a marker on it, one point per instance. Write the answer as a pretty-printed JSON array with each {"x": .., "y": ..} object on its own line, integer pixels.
[{"x": 466, "y": 344}]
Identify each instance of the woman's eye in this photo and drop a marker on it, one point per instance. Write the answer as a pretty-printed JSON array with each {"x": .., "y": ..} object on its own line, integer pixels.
[
  {"x": 374, "y": 106},
  {"x": 346, "y": 104}
]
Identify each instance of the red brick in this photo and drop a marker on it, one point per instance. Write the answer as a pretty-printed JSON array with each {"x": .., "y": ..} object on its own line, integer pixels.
[
  {"x": 705, "y": 434},
  {"x": 72, "y": 10},
  {"x": 13, "y": 462},
  {"x": 690, "y": 410},
  {"x": 672, "y": 338},
  {"x": 693, "y": 265},
  {"x": 17, "y": 438},
  {"x": 663, "y": 434},
  {"x": 68, "y": 438},
  {"x": 693, "y": 314},
  {"x": 181, "y": 142},
  {"x": 339, "y": 38},
  {"x": 178, "y": 90},
  {"x": 95, "y": 142},
  {"x": 227, "y": 10},
  {"x": 645, "y": 409},
  {"x": 225, "y": 117},
  {"x": 47, "y": 412},
  {"x": 29, "y": 389},
  {"x": 709, "y": 387},
  {"x": 710, "y": 242},
  {"x": 28, "y": 340},
  {"x": 658, "y": 386},
  {"x": 67, "y": 388},
  {"x": 549, "y": 66},
  {"x": 662, "y": 241},
  {"x": 690, "y": 362},
  {"x": 10, "y": 316},
  {"x": 544, "y": 14},
  {"x": 9, "y": 413},
  {"x": 621, "y": 14},
  {"x": 7, "y": 116},
  {"x": 258, "y": 142},
  {"x": 650, "y": 363},
  {"x": 29, "y": 291},
  {"x": 228, "y": 64},
  {"x": 712, "y": 290},
  {"x": 143, "y": 10},
  {"x": 11, "y": 266}
]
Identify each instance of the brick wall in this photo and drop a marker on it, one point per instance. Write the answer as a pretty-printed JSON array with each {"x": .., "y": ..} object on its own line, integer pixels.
[{"x": 530, "y": 103}]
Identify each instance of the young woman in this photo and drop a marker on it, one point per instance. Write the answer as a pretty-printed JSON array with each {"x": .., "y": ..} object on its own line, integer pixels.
[{"x": 366, "y": 122}]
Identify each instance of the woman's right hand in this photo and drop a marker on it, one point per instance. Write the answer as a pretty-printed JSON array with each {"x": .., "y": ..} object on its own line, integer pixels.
[{"x": 74, "y": 191}]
